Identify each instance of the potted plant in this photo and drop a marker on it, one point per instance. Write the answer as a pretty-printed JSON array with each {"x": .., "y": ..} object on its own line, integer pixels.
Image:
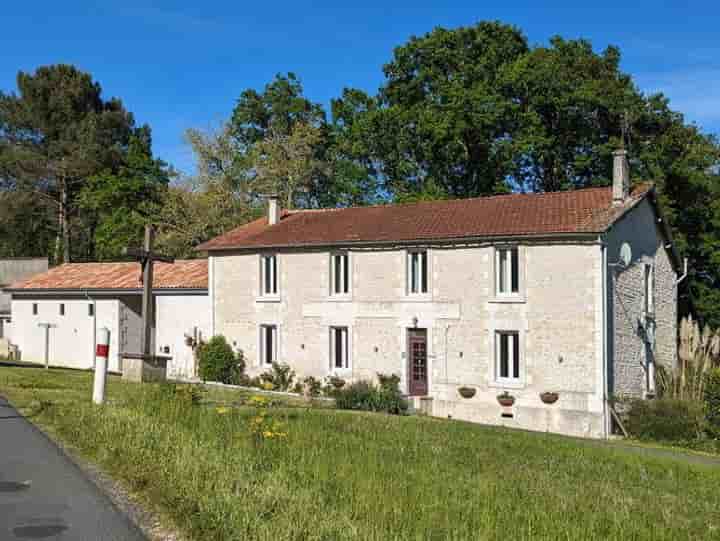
[
  {"x": 506, "y": 399},
  {"x": 549, "y": 397},
  {"x": 467, "y": 392}
]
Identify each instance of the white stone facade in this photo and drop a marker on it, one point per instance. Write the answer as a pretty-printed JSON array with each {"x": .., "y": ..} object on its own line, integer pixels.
[{"x": 559, "y": 315}]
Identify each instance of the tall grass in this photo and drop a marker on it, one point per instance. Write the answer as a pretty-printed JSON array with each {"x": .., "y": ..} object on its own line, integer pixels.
[{"x": 345, "y": 475}]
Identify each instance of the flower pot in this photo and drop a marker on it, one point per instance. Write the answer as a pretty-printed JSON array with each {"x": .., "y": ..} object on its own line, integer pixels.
[
  {"x": 506, "y": 400},
  {"x": 467, "y": 392},
  {"x": 549, "y": 398}
]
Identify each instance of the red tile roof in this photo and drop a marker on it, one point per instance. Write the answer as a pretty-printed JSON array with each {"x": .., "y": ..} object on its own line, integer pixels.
[
  {"x": 589, "y": 210},
  {"x": 183, "y": 274}
]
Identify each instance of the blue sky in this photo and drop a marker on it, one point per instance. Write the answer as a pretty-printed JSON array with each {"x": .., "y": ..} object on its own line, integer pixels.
[{"x": 183, "y": 64}]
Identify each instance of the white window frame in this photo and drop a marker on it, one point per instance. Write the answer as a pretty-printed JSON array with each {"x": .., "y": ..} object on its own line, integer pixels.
[
  {"x": 507, "y": 275},
  {"x": 426, "y": 274},
  {"x": 345, "y": 273},
  {"x": 273, "y": 277},
  {"x": 514, "y": 338},
  {"x": 346, "y": 348},
  {"x": 649, "y": 289},
  {"x": 262, "y": 347}
]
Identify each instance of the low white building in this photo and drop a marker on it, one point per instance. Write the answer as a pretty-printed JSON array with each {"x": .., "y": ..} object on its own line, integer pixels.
[{"x": 58, "y": 313}]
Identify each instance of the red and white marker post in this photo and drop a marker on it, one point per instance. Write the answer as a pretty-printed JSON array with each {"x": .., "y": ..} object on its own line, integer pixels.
[{"x": 101, "y": 361}]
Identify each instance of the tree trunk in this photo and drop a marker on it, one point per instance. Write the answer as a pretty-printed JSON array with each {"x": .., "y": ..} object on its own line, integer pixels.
[{"x": 65, "y": 223}]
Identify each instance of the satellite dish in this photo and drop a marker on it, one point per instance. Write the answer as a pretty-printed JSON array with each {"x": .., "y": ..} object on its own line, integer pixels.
[{"x": 625, "y": 254}]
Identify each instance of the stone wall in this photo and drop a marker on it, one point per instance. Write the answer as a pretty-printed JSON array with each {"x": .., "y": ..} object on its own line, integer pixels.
[
  {"x": 558, "y": 315},
  {"x": 629, "y": 351}
]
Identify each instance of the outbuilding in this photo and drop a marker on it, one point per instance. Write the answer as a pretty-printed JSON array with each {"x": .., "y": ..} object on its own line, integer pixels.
[{"x": 57, "y": 314}]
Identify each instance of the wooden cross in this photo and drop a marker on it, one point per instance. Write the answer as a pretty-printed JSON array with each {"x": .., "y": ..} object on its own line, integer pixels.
[{"x": 147, "y": 257}]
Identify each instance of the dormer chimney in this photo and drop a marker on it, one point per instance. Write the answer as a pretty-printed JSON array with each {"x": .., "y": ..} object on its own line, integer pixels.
[
  {"x": 621, "y": 176},
  {"x": 273, "y": 209}
]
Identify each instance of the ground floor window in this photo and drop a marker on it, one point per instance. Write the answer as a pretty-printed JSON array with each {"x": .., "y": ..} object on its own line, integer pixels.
[
  {"x": 339, "y": 353},
  {"x": 507, "y": 356},
  {"x": 268, "y": 344}
]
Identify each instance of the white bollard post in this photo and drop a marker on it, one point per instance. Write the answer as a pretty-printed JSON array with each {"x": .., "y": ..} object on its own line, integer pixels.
[{"x": 101, "y": 359}]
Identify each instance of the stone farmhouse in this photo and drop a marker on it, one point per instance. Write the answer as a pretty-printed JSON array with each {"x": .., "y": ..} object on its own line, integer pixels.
[
  {"x": 573, "y": 293},
  {"x": 77, "y": 299}
]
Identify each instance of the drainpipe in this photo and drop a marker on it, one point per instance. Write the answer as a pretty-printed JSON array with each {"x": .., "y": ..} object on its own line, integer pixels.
[
  {"x": 685, "y": 272},
  {"x": 94, "y": 327},
  {"x": 606, "y": 420}
]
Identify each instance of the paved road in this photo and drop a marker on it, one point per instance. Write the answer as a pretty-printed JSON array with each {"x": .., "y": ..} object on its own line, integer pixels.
[{"x": 43, "y": 495}]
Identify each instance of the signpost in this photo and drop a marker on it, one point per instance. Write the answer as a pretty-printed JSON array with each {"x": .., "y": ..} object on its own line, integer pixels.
[
  {"x": 47, "y": 326},
  {"x": 147, "y": 257}
]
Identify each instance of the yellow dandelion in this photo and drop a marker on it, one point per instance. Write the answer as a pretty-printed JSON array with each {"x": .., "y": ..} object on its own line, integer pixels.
[{"x": 222, "y": 410}]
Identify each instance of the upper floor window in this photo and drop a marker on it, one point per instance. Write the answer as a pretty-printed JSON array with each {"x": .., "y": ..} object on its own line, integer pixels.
[
  {"x": 35, "y": 309},
  {"x": 417, "y": 266},
  {"x": 268, "y": 344},
  {"x": 507, "y": 271},
  {"x": 268, "y": 275},
  {"x": 339, "y": 350},
  {"x": 507, "y": 356},
  {"x": 91, "y": 309},
  {"x": 62, "y": 309},
  {"x": 649, "y": 283},
  {"x": 340, "y": 274}
]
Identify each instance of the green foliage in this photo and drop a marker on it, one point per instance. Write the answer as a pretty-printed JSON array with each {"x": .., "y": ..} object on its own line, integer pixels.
[
  {"x": 712, "y": 402},
  {"x": 313, "y": 386},
  {"x": 665, "y": 419},
  {"x": 218, "y": 362},
  {"x": 185, "y": 394},
  {"x": 363, "y": 395},
  {"x": 281, "y": 377},
  {"x": 374, "y": 476}
]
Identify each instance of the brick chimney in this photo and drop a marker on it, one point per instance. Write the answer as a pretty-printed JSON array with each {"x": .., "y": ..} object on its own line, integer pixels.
[
  {"x": 621, "y": 177},
  {"x": 273, "y": 209}
]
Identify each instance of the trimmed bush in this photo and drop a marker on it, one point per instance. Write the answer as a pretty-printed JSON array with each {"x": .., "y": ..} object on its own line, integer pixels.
[
  {"x": 364, "y": 396},
  {"x": 281, "y": 377},
  {"x": 665, "y": 419},
  {"x": 711, "y": 396},
  {"x": 218, "y": 362}
]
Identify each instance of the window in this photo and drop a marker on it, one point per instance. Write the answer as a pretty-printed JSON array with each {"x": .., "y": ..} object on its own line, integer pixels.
[
  {"x": 417, "y": 272},
  {"x": 35, "y": 309},
  {"x": 507, "y": 355},
  {"x": 649, "y": 282},
  {"x": 91, "y": 310},
  {"x": 62, "y": 309},
  {"x": 340, "y": 274},
  {"x": 268, "y": 344},
  {"x": 507, "y": 271},
  {"x": 339, "y": 358},
  {"x": 268, "y": 273}
]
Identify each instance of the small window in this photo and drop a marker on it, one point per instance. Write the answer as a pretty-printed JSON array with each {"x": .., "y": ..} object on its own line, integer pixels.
[
  {"x": 340, "y": 274},
  {"x": 91, "y": 310},
  {"x": 268, "y": 344},
  {"x": 339, "y": 353},
  {"x": 417, "y": 272},
  {"x": 507, "y": 354},
  {"x": 62, "y": 309},
  {"x": 649, "y": 282},
  {"x": 35, "y": 309},
  {"x": 507, "y": 271},
  {"x": 268, "y": 273}
]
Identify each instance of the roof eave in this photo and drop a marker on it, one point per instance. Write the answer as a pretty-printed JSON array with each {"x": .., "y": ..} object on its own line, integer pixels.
[{"x": 105, "y": 292}]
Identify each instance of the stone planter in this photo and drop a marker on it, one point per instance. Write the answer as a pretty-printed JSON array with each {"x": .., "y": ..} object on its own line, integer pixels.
[
  {"x": 549, "y": 398},
  {"x": 506, "y": 400},
  {"x": 467, "y": 392}
]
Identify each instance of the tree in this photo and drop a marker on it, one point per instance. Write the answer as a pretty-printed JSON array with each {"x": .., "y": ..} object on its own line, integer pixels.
[{"x": 54, "y": 135}]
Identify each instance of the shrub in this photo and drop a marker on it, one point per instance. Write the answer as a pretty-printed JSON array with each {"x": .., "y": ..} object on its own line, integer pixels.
[
  {"x": 313, "y": 386},
  {"x": 218, "y": 362},
  {"x": 365, "y": 396},
  {"x": 389, "y": 382},
  {"x": 711, "y": 397},
  {"x": 665, "y": 419},
  {"x": 280, "y": 377}
]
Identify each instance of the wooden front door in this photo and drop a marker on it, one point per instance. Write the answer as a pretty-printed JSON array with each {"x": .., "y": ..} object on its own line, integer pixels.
[{"x": 417, "y": 362}]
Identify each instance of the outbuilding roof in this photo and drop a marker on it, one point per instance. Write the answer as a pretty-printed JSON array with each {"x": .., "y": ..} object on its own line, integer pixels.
[
  {"x": 583, "y": 211},
  {"x": 183, "y": 274}
]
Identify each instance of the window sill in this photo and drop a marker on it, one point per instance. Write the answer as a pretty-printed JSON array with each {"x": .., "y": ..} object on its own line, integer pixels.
[
  {"x": 509, "y": 299},
  {"x": 418, "y": 297},
  {"x": 507, "y": 384},
  {"x": 267, "y": 299},
  {"x": 339, "y": 298}
]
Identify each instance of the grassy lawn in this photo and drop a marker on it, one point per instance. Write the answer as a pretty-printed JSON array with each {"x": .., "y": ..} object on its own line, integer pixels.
[{"x": 339, "y": 475}]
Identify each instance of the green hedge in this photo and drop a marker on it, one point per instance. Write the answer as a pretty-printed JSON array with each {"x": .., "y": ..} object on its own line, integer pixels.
[{"x": 218, "y": 362}]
